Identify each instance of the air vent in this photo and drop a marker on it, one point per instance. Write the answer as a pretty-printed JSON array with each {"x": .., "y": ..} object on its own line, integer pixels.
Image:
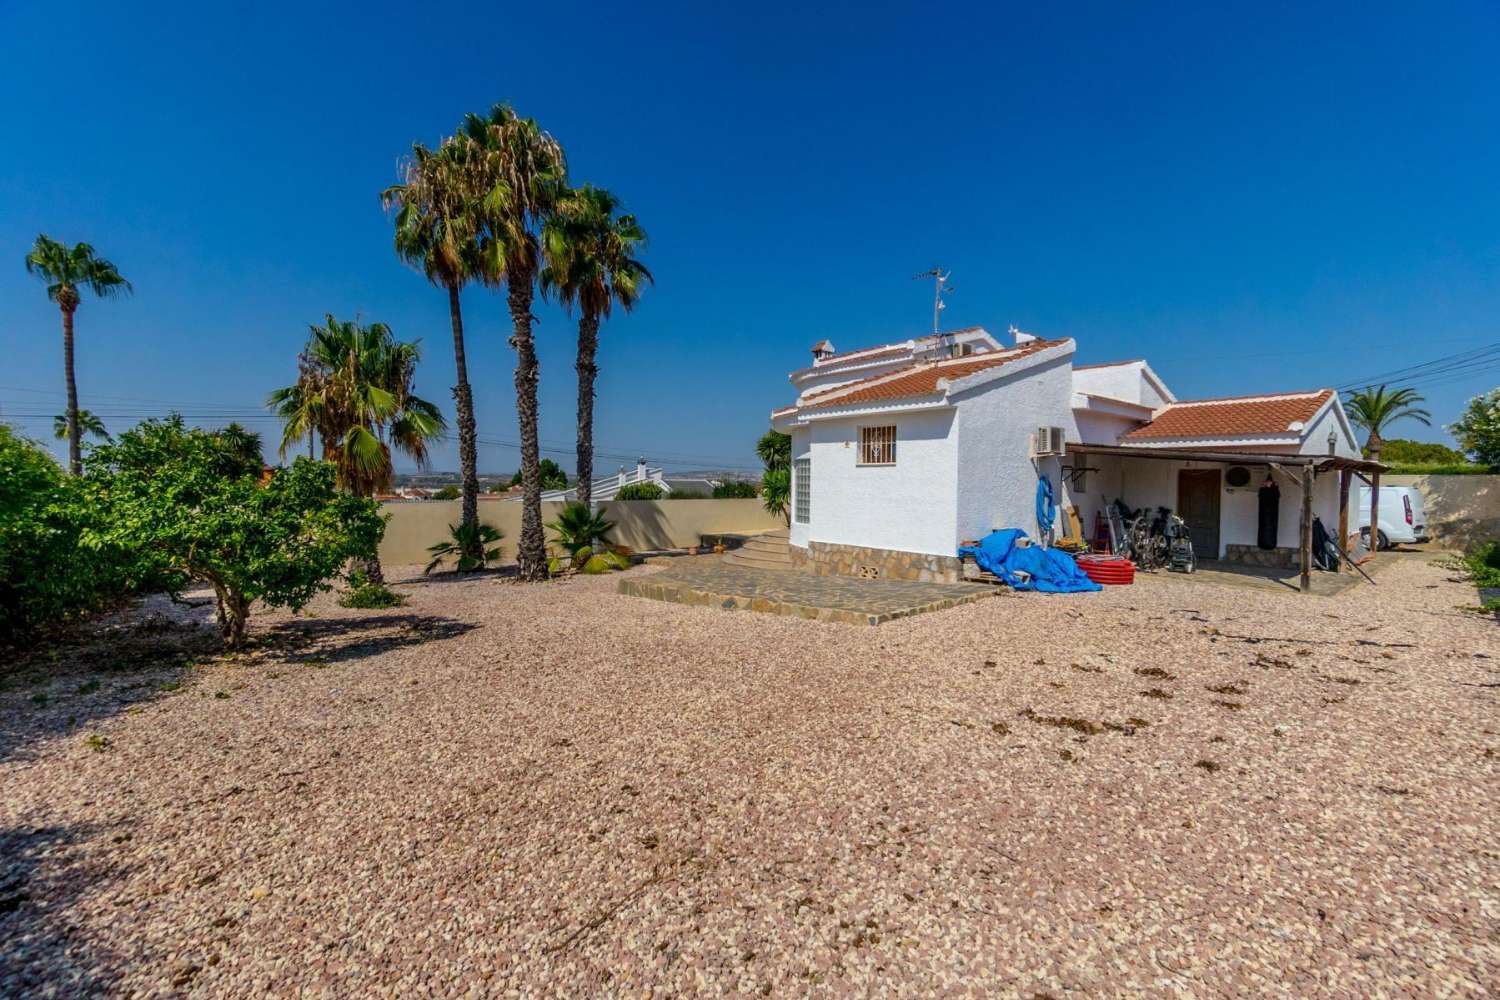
[{"x": 1237, "y": 476}]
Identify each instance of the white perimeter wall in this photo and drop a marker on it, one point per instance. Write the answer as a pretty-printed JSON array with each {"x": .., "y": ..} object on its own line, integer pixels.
[
  {"x": 996, "y": 476},
  {"x": 907, "y": 506}
]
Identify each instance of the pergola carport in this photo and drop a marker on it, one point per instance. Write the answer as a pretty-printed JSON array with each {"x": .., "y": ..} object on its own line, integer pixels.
[{"x": 1309, "y": 468}]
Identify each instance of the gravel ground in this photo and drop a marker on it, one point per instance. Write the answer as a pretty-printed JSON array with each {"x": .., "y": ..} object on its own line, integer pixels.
[{"x": 1165, "y": 789}]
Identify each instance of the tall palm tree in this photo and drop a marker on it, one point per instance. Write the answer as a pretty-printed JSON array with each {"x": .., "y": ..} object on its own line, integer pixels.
[
  {"x": 516, "y": 173},
  {"x": 87, "y": 424},
  {"x": 67, "y": 271},
  {"x": 355, "y": 390},
  {"x": 590, "y": 263},
  {"x": 436, "y": 231},
  {"x": 1375, "y": 410}
]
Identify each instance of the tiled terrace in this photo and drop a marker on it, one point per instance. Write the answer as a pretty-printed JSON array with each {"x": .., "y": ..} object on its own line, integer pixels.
[{"x": 709, "y": 582}]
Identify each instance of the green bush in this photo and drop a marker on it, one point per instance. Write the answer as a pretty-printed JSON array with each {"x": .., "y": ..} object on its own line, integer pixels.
[
  {"x": 639, "y": 491},
  {"x": 449, "y": 492},
  {"x": 365, "y": 593},
  {"x": 735, "y": 489},
  {"x": 191, "y": 511},
  {"x": 47, "y": 577},
  {"x": 687, "y": 495},
  {"x": 1403, "y": 451},
  {"x": 1483, "y": 565}
]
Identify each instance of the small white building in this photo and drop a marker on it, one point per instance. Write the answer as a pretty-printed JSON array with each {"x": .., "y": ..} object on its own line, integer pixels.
[{"x": 903, "y": 451}]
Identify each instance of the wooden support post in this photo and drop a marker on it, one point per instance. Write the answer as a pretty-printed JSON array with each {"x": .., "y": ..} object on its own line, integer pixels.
[
  {"x": 1307, "y": 532},
  {"x": 1374, "y": 505},
  {"x": 1344, "y": 477}
]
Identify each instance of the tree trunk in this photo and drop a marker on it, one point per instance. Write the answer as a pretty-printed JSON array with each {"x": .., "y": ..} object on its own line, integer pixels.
[
  {"x": 531, "y": 549},
  {"x": 233, "y": 613},
  {"x": 75, "y": 451},
  {"x": 1374, "y": 503},
  {"x": 588, "y": 371},
  {"x": 468, "y": 460}
]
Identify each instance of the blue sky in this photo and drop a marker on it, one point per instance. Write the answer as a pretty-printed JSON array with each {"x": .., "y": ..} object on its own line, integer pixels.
[{"x": 1256, "y": 199}]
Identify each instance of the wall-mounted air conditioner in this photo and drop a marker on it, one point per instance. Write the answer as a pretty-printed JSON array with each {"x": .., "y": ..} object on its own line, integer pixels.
[{"x": 1048, "y": 441}]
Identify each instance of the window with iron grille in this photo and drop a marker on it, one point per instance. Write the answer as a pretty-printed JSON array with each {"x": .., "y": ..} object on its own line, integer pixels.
[
  {"x": 802, "y": 490},
  {"x": 877, "y": 445}
]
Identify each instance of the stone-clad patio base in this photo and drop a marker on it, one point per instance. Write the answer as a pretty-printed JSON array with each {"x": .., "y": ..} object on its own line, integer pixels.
[{"x": 706, "y": 581}]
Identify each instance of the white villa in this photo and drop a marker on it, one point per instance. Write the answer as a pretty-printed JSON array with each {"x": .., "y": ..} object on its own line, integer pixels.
[{"x": 901, "y": 452}]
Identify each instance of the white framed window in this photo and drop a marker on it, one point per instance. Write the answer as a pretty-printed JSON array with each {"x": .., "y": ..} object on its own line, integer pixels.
[
  {"x": 877, "y": 445},
  {"x": 802, "y": 490}
]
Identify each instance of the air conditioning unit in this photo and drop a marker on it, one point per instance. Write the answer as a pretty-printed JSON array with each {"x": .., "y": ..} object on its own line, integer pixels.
[{"x": 1048, "y": 441}]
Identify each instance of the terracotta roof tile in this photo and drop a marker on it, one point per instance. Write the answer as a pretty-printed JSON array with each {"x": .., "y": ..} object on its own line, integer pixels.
[
  {"x": 919, "y": 379},
  {"x": 1242, "y": 416}
]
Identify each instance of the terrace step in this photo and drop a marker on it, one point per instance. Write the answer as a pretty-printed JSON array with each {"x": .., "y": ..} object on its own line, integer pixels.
[{"x": 767, "y": 551}]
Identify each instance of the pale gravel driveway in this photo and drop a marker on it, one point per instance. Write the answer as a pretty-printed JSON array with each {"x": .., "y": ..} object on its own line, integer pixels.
[{"x": 560, "y": 791}]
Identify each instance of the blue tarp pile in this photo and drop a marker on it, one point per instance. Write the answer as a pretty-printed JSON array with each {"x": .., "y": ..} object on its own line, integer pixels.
[{"x": 1048, "y": 570}]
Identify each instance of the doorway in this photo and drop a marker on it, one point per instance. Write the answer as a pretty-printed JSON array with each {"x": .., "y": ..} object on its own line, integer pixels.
[{"x": 1198, "y": 496}]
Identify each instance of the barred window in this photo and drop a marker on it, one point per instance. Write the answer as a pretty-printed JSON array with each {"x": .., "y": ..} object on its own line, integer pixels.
[
  {"x": 802, "y": 490},
  {"x": 877, "y": 445}
]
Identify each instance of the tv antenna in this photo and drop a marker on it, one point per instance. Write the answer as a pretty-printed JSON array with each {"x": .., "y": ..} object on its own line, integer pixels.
[{"x": 940, "y": 287}]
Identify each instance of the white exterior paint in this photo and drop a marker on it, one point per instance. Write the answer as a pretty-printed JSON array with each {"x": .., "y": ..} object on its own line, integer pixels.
[
  {"x": 964, "y": 463},
  {"x": 997, "y": 478}
]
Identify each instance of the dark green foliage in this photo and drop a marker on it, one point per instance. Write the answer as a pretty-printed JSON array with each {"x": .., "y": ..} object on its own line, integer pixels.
[
  {"x": 579, "y": 528},
  {"x": 735, "y": 489},
  {"x": 775, "y": 450},
  {"x": 553, "y": 477},
  {"x": 463, "y": 541},
  {"x": 1483, "y": 565},
  {"x": 1478, "y": 429},
  {"x": 192, "y": 509},
  {"x": 1404, "y": 451},
  {"x": 449, "y": 492},
  {"x": 639, "y": 491},
  {"x": 368, "y": 594},
  {"x": 46, "y": 576},
  {"x": 776, "y": 491},
  {"x": 687, "y": 495}
]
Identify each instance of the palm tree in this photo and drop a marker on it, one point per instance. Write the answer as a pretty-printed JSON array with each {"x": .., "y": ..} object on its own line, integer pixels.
[
  {"x": 87, "y": 424},
  {"x": 515, "y": 172},
  {"x": 436, "y": 232},
  {"x": 67, "y": 271},
  {"x": 590, "y": 264},
  {"x": 1375, "y": 410},
  {"x": 355, "y": 391}
]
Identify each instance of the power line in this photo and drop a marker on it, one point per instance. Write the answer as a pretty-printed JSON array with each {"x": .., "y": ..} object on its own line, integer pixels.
[{"x": 1455, "y": 363}]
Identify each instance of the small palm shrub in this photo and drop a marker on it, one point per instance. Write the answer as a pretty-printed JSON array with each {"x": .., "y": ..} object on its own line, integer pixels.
[
  {"x": 585, "y": 536},
  {"x": 464, "y": 539},
  {"x": 639, "y": 491}
]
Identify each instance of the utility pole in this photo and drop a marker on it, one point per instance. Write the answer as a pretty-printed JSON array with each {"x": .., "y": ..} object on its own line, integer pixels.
[{"x": 940, "y": 287}]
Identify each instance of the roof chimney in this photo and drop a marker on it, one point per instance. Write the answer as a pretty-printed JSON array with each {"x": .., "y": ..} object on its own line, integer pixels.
[
  {"x": 1021, "y": 336},
  {"x": 822, "y": 349}
]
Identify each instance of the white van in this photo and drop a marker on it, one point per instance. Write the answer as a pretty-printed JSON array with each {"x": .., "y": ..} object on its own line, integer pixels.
[{"x": 1402, "y": 518}]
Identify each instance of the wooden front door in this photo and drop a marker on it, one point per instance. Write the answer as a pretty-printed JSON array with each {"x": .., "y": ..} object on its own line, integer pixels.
[{"x": 1198, "y": 505}]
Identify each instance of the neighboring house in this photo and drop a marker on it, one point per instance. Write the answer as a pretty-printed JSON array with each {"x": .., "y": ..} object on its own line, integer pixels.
[
  {"x": 605, "y": 487},
  {"x": 903, "y": 451}
]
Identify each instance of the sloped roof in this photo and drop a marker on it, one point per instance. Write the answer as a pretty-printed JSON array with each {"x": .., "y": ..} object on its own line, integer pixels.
[
  {"x": 1236, "y": 416},
  {"x": 918, "y": 379}
]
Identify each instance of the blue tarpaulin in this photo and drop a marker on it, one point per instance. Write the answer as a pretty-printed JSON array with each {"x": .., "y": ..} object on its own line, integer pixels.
[
  {"x": 1051, "y": 571},
  {"x": 1046, "y": 507}
]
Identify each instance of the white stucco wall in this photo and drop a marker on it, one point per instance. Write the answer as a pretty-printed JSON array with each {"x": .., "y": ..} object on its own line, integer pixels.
[
  {"x": 996, "y": 422},
  {"x": 1102, "y": 428},
  {"x": 1316, "y": 440},
  {"x": 1127, "y": 382},
  {"x": 909, "y": 506}
]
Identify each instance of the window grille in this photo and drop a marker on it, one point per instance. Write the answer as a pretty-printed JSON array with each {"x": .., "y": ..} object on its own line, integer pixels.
[{"x": 877, "y": 445}]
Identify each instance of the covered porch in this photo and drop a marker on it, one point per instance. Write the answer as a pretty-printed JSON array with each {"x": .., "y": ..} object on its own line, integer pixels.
[{"x": 1219, "y": 495}]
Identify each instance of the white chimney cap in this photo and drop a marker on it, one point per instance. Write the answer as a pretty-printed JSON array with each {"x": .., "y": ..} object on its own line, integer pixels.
[
  {"x": 1021, "y": 336},
  {"x": 822, "y": 349}
]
